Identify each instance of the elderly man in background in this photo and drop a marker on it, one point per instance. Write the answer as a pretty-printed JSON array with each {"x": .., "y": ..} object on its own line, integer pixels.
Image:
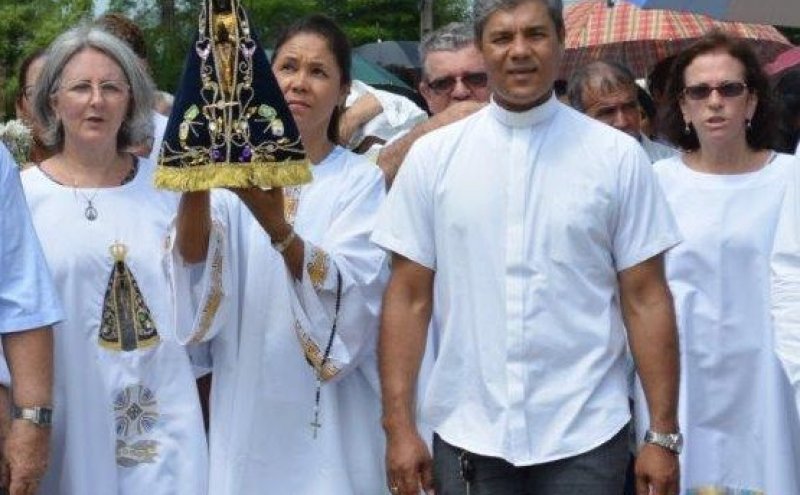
[
  {"x": 607, "y": 91},
  {"x": 453, "y": 69},
  {"x": 454, "y": 85},
  {"x": 527, "y": 232},
  {"x": 28, "y": 306}
]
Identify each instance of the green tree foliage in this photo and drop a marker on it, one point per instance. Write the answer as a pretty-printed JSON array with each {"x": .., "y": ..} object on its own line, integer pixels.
[
  {"x": 26, "y": 26},
  {"x": 170, "y": 24}
]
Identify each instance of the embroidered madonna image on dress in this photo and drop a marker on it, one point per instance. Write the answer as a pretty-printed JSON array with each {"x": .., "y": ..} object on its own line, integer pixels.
[{"x": 230, "y": 126}]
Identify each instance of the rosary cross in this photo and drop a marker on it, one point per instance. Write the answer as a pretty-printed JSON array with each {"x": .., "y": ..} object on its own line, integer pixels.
[{"x": 315, "y": 424}]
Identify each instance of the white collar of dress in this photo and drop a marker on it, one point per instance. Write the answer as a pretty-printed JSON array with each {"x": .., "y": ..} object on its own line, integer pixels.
[{"x": 527, "y": 118}]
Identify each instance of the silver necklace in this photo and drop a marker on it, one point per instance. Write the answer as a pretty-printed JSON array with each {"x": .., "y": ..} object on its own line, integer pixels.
[{"x": 90, "y": 212}]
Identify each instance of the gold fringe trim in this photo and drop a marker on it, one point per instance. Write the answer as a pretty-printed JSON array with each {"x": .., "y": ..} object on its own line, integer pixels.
[{"x": 209, "y": 176}]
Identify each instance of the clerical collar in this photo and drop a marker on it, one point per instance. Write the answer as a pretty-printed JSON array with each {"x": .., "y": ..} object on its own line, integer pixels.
[{"x": 527, "y": 118}]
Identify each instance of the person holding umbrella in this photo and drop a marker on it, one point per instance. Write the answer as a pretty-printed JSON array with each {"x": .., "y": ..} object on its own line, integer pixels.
[{"x": 725, "y": 190}]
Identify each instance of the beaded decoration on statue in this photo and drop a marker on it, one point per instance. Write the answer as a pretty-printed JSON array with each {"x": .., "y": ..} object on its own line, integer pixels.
[{"x": 230, "y": 126}]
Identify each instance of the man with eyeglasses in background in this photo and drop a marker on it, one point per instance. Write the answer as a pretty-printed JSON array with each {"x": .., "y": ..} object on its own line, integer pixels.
[
  {"x": 454, "y": 85},
  {"x": 607, "y": 92}
]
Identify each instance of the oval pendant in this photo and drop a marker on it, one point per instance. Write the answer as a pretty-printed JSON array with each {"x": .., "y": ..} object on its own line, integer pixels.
[{"x": 90, "y": 212}]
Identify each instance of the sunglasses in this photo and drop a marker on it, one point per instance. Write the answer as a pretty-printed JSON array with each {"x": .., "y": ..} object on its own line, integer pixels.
[
  {"x": 445, "y": 85},
  {"x": 725, "y": 90}
]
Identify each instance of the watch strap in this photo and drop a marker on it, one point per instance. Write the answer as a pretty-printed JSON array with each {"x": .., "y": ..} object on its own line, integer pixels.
[
  {"x": 40, "y": 416},
  {"x": 670, "y": 441}
]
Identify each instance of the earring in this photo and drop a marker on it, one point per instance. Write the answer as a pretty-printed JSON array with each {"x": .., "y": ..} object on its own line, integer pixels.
[
  {"x": 748, "y": 124},
  {"x": 687, "y": 128}
]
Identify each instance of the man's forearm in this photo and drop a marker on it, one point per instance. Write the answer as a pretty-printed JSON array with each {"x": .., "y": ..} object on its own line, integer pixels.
[
  {"x": 654, "y": 344},
  {"x": 402, "y": 344},
  {"x": 392, "y": 155},
  {"x": 356, "y": 116},
  {"x": 650, "y": 319},
  {"x": 30, "y": 360}
]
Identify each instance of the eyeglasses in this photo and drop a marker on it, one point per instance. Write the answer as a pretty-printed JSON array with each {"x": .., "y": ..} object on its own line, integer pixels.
[
  {"x": 82, "y": 90},
  {"x": 445, "y": 85},
  {"x": 725, "y": 90}
]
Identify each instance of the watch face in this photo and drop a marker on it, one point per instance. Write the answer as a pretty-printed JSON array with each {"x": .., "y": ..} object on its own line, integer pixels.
[{"x": 42, "y": 416}]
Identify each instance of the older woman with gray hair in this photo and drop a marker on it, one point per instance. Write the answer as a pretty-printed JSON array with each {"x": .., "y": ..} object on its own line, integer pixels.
[{"x": 126, "y": 416}]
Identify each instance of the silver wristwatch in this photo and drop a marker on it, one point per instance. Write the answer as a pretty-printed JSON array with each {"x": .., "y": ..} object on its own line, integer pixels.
[
  {"x": 670, "y": 441},
  {"x": 40, "y": 416}
]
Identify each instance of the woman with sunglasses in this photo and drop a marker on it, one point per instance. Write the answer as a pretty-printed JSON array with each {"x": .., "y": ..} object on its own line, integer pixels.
[{"x": 736, "y": 411}]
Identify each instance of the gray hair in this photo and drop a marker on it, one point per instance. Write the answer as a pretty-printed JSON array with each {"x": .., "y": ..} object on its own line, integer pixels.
[
  {"x": 602, "y": 75},
  {"x": 483, "y": 9},
  {"x": 137, "y": 127},
  {"x": 448, "y": 38}
]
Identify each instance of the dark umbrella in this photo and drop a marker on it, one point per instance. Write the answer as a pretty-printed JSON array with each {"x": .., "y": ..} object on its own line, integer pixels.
[
  {"x": 368, "y": 72},
  {"x": 373, "y": 74},
  {"x": 403, "y": 54}
]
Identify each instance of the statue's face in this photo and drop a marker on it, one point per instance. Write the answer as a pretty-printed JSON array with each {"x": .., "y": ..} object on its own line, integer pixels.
[{"x": 221, "y": 6}]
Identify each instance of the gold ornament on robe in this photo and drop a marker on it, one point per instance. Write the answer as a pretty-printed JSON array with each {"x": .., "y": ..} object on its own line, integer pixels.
[{"x": 230, "y": 126}]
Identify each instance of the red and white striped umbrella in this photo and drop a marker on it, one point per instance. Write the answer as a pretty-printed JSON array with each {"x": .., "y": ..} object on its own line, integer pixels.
[
  {"x": 778, "y": 12},
  {"x": 785, "y": 61},
  {"x": 638, "y": 39}
]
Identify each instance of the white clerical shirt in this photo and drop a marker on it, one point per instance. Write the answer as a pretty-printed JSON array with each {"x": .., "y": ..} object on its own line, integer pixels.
[{"x": 527, "y": 218}]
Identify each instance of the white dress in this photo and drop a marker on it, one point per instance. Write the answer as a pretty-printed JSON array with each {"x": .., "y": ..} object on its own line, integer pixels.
[
  {"x": 265, "y": 328},
  {"x": 735, "y": 402},
  {"x": 127, "y": 417},
  {"x": 786, "y": 284}
]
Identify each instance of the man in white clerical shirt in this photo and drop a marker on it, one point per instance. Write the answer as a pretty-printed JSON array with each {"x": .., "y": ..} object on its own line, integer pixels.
[
  {"x": 607, "y": 91},
  {"x": 528, "y": 233}
]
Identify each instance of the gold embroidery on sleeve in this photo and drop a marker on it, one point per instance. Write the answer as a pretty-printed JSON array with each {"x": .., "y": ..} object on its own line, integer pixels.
[
  {"x": 313, "y": 354},
  {"x": 213, "y": 300},
  {"x": 291, "y": 200},
  {"x": 318, "y": 267}
]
